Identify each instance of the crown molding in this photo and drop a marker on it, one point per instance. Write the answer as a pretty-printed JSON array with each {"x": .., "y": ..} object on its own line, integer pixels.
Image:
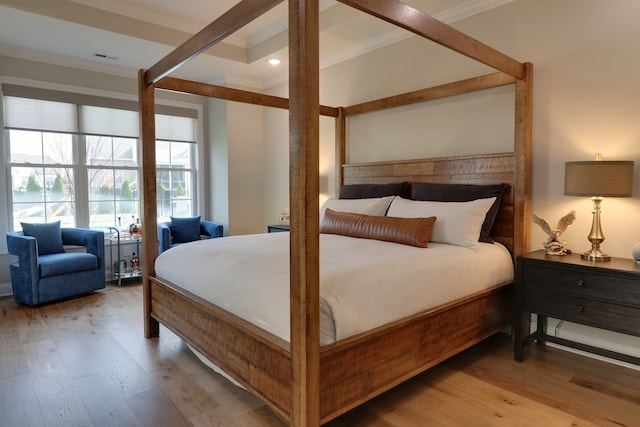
[
  {"x": 454, "y": 14},
  {"x": 468, "y": 9}
]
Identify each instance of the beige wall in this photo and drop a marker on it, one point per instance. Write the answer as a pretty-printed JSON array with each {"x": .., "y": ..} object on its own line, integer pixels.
[
  {"x": 235, "y": 159},
  {"x": 585, "y": 101},
  {"x": 245, "y": 159}
]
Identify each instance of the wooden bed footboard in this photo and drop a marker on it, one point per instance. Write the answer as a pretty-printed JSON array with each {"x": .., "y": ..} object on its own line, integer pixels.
[
  {"x": 258, "y": 360},
  {"x": 353, "y": 370}
]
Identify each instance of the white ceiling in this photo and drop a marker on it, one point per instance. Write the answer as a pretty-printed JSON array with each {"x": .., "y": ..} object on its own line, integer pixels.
[{"x": 135, "y": 34}]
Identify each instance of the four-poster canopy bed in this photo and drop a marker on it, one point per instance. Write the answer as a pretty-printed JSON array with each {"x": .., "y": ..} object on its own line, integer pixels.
[{"x": 302, "y": 382}]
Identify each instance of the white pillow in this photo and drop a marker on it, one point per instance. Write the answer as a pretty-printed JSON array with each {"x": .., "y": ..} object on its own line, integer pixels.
[
  {"x": 457, "y": 223},
  {"x": 374, "y": 206}
]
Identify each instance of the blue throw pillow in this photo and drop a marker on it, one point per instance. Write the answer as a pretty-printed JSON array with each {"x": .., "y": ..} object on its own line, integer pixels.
[
  {"x": 47, "y": 234},
  {"x": 184, "y": 230}
]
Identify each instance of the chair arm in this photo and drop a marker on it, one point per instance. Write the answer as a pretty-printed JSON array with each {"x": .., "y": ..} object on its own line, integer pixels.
[
  {"x": 26, "y": 249},
  {"x": 93, "y": 240},
  {"x": 211, "y": 229},
  {"x": 164, "y": 236}
]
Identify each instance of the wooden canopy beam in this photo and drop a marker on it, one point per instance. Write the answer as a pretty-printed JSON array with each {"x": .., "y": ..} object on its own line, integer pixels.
[
  {"x": 411, "y": 19},
  {"x": 231, "y": 94},
  {"x": 228, "y": 23},
  {"x": 450, "y": 89}
]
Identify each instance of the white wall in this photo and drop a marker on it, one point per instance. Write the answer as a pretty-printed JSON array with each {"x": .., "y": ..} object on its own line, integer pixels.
[
  {"x": 586, "y": 96},
  {"x": 218, "y": 185}
]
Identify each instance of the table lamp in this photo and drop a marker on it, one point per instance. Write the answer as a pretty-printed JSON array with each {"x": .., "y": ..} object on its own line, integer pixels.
[{"x": 598, "y": 179}]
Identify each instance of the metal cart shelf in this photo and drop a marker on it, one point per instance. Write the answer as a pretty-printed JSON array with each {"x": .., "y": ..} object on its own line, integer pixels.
[{"x": 119, "y": 270}]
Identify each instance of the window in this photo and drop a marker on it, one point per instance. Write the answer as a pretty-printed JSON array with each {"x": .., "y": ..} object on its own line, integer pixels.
[
  {"x": 175, "y": 162},
  {"x": 79, "y": 162},
  {"x": 44, "y": 187},
  {"x": 113, "y": 178}
]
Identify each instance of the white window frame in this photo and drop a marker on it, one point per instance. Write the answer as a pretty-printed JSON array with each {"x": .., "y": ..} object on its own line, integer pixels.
[{"x": 82, "y": 212}]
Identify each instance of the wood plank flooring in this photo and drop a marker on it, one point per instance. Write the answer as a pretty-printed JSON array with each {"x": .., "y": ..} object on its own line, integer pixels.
[{"x": 85, "y": 362}]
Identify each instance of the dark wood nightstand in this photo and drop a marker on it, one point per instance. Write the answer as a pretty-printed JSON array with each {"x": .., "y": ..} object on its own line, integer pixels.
[
  {"x": 277, "y": 228},
  {"x": 603, "y": 295}
]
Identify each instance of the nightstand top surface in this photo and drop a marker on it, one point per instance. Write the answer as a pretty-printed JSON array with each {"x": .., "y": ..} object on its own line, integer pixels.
[{"x": 621, "y": 264}]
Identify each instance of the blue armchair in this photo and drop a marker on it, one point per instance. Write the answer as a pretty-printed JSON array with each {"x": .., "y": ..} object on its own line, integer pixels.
[
  {"x": 183, "y": 230},
  {"x": 39, "y": 278}
]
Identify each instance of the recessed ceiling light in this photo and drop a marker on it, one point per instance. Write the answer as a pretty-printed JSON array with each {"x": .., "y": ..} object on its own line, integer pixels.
[{"x": 274, "y": 61}]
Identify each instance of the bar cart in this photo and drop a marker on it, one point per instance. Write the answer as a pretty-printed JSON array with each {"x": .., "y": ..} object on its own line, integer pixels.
[{"x": 120, "y": 270}]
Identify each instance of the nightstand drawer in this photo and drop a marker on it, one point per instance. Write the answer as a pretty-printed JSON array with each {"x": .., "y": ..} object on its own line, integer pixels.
[
  {"x": 616, "y": 317},
  {"x": 582, "y": 282}
]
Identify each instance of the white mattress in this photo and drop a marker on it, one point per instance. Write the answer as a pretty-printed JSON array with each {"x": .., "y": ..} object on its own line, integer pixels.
[{"x": 364, "y": 283}]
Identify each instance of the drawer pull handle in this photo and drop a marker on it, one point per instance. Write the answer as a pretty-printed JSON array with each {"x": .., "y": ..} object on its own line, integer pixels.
[
  {"x": 580, "y": 308},
  {"x": 580, "y": 283}
]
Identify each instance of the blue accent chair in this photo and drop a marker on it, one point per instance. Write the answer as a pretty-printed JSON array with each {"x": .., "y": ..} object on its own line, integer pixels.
[
  {"x": 39, "y": 279},
  {"x": 208, "y": 230}
]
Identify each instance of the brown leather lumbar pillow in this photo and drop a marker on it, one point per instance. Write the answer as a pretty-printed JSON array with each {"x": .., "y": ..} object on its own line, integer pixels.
[{"x": 407, "y": 231}]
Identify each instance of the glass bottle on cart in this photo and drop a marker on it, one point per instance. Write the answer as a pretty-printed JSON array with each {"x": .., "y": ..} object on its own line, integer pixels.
[{"x": 135, "y": 264}]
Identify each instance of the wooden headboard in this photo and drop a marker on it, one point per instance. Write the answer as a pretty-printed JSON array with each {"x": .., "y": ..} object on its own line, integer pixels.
[{"x": 472, "y": 169}]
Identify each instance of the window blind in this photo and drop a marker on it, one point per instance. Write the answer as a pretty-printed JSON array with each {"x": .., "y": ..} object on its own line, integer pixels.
[
  {"x": 93, "y": 100},
  {"x": 24, "y": 113},
  {"x": 51, "y": 110},
  {"x": 109, "y": 121},
  {"x": 174, "y": 128}
]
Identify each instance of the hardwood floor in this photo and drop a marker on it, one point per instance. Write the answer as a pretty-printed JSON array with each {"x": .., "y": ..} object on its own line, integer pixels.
[{"x": 86, "y": 362}]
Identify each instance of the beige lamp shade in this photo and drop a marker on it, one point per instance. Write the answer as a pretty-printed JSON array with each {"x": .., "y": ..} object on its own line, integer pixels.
[{"x": 598, "y": 178}]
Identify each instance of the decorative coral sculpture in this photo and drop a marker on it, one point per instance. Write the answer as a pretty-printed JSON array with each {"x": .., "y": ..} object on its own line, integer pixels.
[{"x": 553, "y": 245}]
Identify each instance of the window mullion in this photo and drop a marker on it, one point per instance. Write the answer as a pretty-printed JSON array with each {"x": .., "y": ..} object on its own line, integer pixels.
[{"x": 81, "y": 177}]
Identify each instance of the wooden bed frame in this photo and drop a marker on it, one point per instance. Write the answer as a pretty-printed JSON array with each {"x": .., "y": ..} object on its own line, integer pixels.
[{"x": 304, "y": 384}]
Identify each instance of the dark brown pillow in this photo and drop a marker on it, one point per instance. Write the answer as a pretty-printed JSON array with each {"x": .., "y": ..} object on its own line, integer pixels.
[
  {"x": 407, "y": 231},
  {"x": 436, "y": 192},
  {"x": 369, "y": 191}
]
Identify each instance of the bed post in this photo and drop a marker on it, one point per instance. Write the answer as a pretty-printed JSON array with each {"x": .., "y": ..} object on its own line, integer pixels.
[
  {"x": 340, "y": 146},
  {"x": 304, "y": 186},
  {"x": 146, "y": 98},
  {"x": 522, "y": 152}
]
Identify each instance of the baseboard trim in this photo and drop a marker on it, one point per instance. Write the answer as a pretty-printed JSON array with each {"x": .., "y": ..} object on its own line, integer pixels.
[
  {"x": 5, "y": 290},
  {"x": 608, "y": 340}
]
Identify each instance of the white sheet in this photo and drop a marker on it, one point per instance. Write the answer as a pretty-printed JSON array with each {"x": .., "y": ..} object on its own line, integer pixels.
[{"x": 363, "y": 283}]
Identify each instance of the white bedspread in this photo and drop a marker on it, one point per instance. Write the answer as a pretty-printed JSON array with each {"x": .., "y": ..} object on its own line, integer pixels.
[{"x": 363, "y": 283}]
